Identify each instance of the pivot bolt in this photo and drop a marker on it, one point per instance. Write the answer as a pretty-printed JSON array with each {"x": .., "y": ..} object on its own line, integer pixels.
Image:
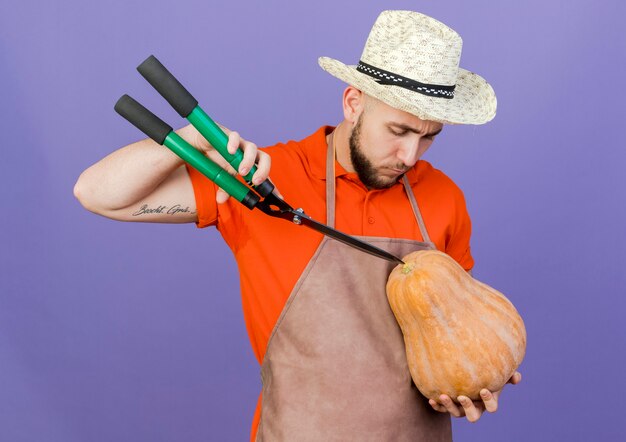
[{"x": 296, "y": 219}]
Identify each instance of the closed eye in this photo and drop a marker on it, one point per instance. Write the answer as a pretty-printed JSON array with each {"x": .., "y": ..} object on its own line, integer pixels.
[
  {"x": 404, "y": 132},
  {"x": 406, "y": 129}
]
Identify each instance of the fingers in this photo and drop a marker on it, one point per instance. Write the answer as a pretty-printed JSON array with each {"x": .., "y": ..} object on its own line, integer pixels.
[
  {"x": 251, "y": 154},
  {"x": 448, "y": 405},
  {"x": 264, "y": 163},
  {"x": 233, "y": 142},
  {"x": 437, "y": 406},
  {"x": 249, "y": 151},
  {"x": 263, "y": 168},
  {"x": 472, "y": 410},
  {"x": 490, "y": 400},
  {"x": 515, "y": 379}
]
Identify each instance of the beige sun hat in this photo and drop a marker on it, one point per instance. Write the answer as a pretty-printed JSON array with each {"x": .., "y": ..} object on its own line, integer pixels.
[{"x": 411, "y": 62}]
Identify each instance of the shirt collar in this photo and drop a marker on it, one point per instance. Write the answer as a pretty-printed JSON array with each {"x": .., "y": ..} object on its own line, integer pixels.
[{"x": 316, "y": 149}]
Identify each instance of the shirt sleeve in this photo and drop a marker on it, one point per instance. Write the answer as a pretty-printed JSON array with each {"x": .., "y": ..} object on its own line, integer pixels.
[
  {"x": 458, "y": 244},
  {"x": 204, "y": 191}
]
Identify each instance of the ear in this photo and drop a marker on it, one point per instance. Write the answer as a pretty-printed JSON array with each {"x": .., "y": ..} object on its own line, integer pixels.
[{"x": 353, "y": 104}]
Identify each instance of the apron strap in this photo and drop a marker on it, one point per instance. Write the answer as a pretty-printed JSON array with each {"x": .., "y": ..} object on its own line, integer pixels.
[
  {"x": 330, "y": 183},
  {"x": 330, "y": 193},
  {"x": 416, "y": 211}
]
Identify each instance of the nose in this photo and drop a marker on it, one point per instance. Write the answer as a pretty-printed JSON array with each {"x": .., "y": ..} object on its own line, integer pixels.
[{"x": 409, "y": 152}]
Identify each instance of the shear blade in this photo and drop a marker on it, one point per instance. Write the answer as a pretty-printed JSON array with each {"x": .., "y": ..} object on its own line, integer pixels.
[{"x": 347, "y": 239}]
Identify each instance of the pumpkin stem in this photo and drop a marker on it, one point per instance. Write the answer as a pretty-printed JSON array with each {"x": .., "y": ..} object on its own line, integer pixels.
[{"x": 406, "y": 268}]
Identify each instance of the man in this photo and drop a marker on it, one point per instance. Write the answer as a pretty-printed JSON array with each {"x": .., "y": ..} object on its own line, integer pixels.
[{"x": 333, "y": 363}]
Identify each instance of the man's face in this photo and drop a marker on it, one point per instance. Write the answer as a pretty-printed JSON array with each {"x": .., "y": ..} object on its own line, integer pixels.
[{"x": 386, "y": 142}]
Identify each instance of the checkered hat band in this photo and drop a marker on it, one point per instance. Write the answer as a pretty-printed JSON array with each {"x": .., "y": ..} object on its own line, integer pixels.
[{"x": 389, "y": 78}]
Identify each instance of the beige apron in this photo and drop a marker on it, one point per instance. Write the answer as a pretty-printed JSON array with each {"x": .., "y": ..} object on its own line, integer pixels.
[{"x": 335, "y": 367}]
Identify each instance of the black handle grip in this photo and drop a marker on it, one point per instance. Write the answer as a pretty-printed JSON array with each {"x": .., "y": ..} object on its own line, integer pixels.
[
  {"x": 265, "y": 188},
  {"x": 168, "y": 86},
  {"x": 142, "y": 118}
]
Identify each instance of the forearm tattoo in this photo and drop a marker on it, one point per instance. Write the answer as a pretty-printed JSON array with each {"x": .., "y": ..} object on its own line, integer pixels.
[{"x": 173, "y": 210}]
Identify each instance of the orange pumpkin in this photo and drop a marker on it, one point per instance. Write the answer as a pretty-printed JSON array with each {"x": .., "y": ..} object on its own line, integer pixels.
[{"x": 460, "y": 334}]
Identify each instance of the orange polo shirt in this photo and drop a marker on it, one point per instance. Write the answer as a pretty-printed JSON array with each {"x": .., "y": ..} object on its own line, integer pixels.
[{"x": 271, "y": 253}]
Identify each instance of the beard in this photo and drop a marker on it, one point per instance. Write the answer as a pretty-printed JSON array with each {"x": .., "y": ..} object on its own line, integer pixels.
[{"x": 367, "y": 173}]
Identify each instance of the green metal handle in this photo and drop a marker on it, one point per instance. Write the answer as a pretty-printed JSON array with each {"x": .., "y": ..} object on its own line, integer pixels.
[
  {"x": 187, "y": 107},
  {"x": 162, "y": 133},
  {"x": 218, "y": 139},
  {"x": 211, "y": 170}
]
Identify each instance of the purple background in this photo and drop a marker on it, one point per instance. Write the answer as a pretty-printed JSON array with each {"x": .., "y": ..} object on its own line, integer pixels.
[{"x": 116, "y": 331}]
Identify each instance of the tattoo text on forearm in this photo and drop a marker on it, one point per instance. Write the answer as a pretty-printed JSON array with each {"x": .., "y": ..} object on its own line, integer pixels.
[{"x": 173, "y": 210}]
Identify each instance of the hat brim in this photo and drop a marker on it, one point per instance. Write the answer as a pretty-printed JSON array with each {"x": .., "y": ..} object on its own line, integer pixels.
[{"x": 474, "y": 100}]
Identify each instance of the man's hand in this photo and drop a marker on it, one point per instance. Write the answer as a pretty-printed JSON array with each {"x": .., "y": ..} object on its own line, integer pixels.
[
  {"x": 251, "y": 155},
  {"x": 473, "y": 410}
]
